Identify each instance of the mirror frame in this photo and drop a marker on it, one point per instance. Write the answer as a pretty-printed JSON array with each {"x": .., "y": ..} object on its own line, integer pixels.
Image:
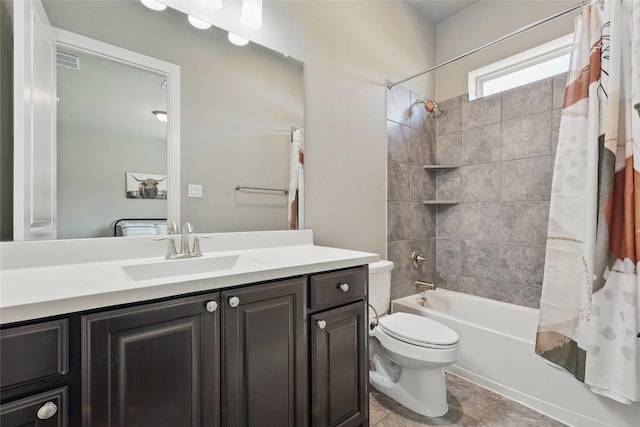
[{"x": 172, "y": 72}]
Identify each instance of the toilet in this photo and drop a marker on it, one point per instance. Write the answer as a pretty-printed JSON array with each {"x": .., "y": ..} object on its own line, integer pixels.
[{"x": 407, "y": 352}]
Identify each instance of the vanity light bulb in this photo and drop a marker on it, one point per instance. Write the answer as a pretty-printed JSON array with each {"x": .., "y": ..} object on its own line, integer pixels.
[
  {"x": 251, "y": 15},
  {"x": 237, "y": 40},
  {"x": 161, "y": 115},
  {"x": 154, "y": 4},
  {"x": 198, "y": 23}
]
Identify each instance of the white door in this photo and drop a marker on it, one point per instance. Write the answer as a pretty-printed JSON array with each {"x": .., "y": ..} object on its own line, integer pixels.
[{"x": 34, "y": 123}]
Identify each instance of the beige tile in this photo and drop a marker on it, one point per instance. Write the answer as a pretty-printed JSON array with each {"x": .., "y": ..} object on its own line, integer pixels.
[
  {"x": 403, "y": 417},
  {"x": 471, "y": 399},
  {"x": 376, "y": 412},
  {"x": 507, "y": 413},
  {"x": 382, "y": 400}
]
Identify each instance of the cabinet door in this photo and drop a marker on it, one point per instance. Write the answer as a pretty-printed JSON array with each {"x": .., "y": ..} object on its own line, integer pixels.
[
  {"x": 34, "y": 353},
  {"x": 42, "y": 410},
  {"x": 152, "y": 365},
  {"x": 339, "y": 367},
  {"x": 264, "y": 380}
]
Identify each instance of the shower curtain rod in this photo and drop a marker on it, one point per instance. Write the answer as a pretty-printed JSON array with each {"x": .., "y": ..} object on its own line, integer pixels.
[{"x": 503, "y": 38}]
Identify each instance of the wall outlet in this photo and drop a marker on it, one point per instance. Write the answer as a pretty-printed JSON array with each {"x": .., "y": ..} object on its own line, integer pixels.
[{"x": 195, "y": 190}]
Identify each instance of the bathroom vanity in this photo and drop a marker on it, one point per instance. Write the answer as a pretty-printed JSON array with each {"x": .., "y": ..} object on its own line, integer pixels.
[{"x": 276, "y": 342}]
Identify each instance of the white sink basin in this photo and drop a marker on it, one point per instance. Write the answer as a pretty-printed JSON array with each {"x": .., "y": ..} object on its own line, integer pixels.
[{"x": 187, "y": 266}]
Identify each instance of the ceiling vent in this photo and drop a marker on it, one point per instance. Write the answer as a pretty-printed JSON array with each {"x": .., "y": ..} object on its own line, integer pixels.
[{"x": 67, "y": 60}]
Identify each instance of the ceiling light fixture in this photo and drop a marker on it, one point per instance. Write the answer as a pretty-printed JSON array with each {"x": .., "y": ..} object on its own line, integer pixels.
[
  {"x": 154, "y": 4},
  {"x": 251, "y": 15},
  {"x": 198, "y": 23},
  {"x": 160, "y": 115},
  {"x": 237, "y": 40}
]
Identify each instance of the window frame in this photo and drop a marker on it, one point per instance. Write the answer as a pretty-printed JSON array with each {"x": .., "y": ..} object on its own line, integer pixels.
[{"x": 547, "y": 51}]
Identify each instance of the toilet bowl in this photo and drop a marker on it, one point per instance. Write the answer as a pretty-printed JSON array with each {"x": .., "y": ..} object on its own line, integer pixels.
[{"x": 408, "y": 353}]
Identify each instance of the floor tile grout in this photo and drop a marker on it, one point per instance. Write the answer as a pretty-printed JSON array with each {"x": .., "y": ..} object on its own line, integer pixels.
[{"x": 471, "y": 405}]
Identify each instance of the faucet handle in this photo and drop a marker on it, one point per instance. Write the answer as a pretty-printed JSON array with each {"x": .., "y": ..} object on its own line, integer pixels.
[
  {"x": 187, "y": 228},
  {"x": 196, "y": 244},
  {"x": 171, "y": 249},
  {"x": 172, "y": 228}
]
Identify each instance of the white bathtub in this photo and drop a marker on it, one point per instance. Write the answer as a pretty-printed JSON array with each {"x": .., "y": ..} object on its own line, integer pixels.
[{"x": 497, "y": 352}]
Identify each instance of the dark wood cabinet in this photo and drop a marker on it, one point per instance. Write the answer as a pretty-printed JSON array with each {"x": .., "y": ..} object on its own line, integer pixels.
[
  {"x": 34, "y": 374},
  {"x": 338, "y": 349},
  {"x": 339, "y": 376},
  {"x": 33, "y": 353},
  {"x": 152, "y": 365},
  {"x": 291, "y": 352},
  {"x": 42, "y": 410},
  {"x": 264, "y": 375}
]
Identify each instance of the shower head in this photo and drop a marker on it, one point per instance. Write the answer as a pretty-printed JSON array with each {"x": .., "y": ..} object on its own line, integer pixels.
[
  {"x": 431, "y": 107},
  {"x": 637, "y": 107}
]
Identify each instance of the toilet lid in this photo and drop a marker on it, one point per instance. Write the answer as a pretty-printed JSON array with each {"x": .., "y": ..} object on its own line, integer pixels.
[{"x": 418, "y": 330}]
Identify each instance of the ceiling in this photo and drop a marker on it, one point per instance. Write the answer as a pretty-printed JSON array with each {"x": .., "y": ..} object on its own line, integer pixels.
[{"x": 436, "y": 11}]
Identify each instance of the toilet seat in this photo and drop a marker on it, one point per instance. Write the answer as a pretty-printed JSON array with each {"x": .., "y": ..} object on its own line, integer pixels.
[{"x": 418, "y": 330}]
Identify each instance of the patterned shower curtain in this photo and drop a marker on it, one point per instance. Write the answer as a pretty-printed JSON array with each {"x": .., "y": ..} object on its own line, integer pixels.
[
  {"x": 296, "y": 181},
  {"x": 589, "y": 311}
]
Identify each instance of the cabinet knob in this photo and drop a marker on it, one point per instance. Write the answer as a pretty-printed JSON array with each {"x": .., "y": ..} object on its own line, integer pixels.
[
  {"x": 344, "y": 287},
  {"x": 321, "y": 324},
  {"x": 234, "y": 301},
  {"x": 211, "y": 306},
  {"x": 47, "y": 411}
]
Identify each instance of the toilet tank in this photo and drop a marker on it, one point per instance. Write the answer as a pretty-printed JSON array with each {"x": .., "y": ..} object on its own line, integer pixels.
[{"x": 380, "y": 285}]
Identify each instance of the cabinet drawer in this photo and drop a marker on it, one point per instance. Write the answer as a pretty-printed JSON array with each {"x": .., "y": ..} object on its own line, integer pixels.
[
  {"x": 43, "y": 410},
  {"x": 33, "y": 352},
  {"x": 328, "y": 289}
]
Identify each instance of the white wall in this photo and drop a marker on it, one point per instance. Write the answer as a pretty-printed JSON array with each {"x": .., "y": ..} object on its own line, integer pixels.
[
  {"x": 485, "y": 21},
  {"x": 91, "y": 180},
  {"x": 349, "y": 49}
]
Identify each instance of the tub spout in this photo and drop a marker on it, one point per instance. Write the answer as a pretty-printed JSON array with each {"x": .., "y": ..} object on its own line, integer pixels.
[{"x": 425, "y": 286}]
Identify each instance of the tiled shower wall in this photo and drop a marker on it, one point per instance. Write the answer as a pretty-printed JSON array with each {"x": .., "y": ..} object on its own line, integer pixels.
[
  {"x": 411, "y": 225},
  {"x": 491, "y": 244}
]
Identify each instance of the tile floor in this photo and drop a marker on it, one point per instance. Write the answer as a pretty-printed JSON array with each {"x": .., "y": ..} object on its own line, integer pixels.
[{"x": 469, "y": 405}]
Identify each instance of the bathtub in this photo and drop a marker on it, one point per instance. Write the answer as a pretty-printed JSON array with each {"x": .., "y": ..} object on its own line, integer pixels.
[{"x": 497, "y": 352}]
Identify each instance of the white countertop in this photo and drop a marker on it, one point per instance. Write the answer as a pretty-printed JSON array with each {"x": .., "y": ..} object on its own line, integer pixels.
[{"x": 31, "y": 289}]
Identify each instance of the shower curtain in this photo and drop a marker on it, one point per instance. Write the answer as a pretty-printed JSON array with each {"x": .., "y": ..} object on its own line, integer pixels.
[
  {"x": 589, "y": 311},
  {"x": 296, "y": 180}
]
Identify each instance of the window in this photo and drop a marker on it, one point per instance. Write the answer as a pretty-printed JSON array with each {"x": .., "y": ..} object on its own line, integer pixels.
[{"x": 529, "y": 66}]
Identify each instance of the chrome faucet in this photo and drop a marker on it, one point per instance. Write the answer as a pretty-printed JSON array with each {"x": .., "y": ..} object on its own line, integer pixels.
[
  {"x": 187, "y": 229},
  {"x": 425, "y": 286},
  {"x": 185, "y": 252}
]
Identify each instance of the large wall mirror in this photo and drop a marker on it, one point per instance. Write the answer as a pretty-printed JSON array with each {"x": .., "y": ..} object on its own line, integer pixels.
[{"x": 237, "y": 109}]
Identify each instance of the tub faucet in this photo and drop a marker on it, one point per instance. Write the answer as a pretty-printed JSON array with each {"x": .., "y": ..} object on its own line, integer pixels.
[{"x": 425, "y": 286}]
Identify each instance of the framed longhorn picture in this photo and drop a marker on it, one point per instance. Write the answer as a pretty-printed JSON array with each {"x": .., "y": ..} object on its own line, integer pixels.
[{"x": 146, "y": 186}]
